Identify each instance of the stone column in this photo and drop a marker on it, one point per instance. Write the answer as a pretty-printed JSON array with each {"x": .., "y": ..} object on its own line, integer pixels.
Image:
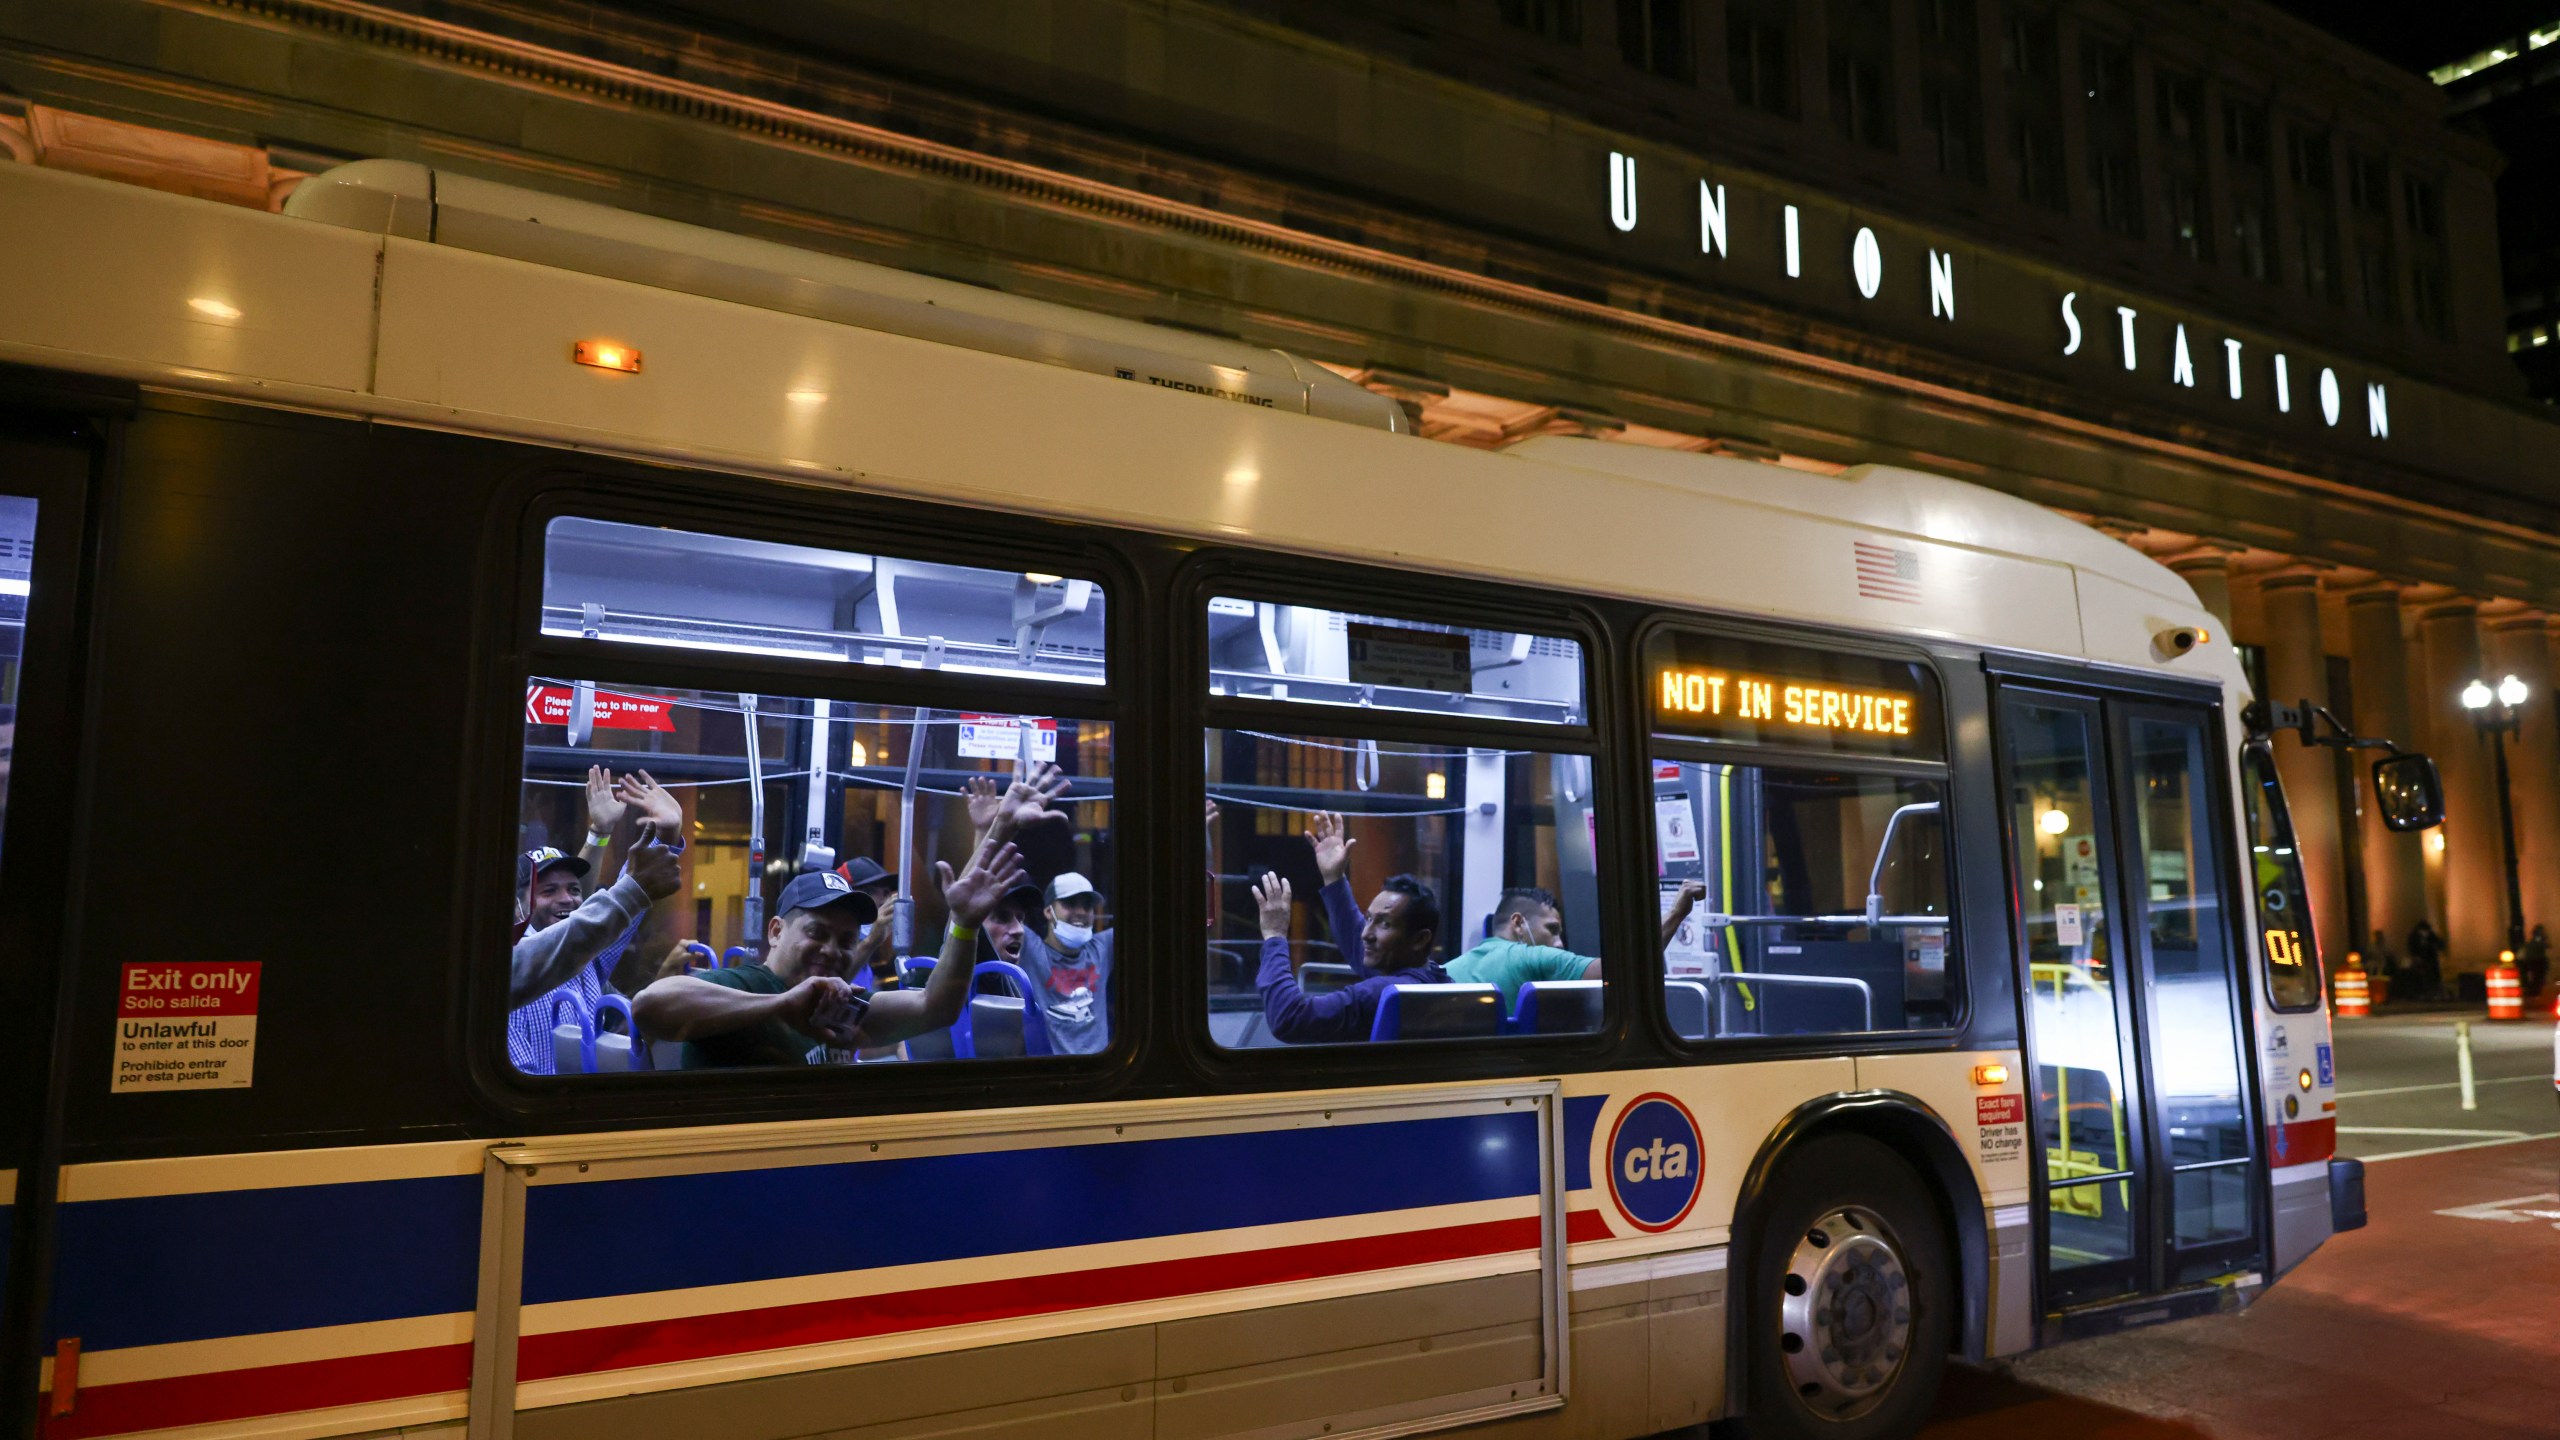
[
  {"x": 2209, "y": 571},
  {"x": 2520, "y": 645},
  {"x": 2395, "y": 869},
  {"x": 2298, "y": 669},
  {"x": 2474, "y": 876}
]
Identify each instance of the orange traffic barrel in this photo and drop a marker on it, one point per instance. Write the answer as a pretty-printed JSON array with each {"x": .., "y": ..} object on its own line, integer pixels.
[
  {"x": 2506, "y": 993},
  {"x": 2354, "y": 992}
]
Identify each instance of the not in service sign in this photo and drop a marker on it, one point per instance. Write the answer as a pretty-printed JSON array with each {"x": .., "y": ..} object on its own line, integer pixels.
[{"x": 186, "y": 1025}]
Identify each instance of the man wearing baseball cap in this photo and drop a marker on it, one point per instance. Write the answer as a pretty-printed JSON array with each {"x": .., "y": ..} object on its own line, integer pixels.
[
  {"x": 1070, "y": 966},
  {"x": 798, "y": 1000},
  {"x": 570, "y": 939}
]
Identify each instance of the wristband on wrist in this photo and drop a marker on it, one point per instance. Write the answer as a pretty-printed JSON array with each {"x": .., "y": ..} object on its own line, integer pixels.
[
  {"x": 597, "y": 841},
  {"x": 959, "y": 933}
]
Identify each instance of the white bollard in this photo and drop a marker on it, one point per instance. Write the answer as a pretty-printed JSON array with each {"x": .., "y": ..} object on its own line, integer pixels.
[{"x": 2462, "y": 1052}]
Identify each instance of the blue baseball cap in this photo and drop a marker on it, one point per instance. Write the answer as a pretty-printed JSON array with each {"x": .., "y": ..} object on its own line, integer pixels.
[{"x": 820, "y": 888}]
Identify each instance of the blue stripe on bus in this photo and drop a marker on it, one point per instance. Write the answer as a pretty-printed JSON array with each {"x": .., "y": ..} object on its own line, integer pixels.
[
  {"x": 622, "y": 1237},
  {"x": 163, "y": 1268},
  {"x": 1581, "y": 1117}
]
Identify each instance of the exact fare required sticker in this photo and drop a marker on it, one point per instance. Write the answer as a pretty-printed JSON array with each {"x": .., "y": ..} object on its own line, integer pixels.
[
  {"x": 2004, "y": 1130},
  {"x": 186, "y": 1025}
]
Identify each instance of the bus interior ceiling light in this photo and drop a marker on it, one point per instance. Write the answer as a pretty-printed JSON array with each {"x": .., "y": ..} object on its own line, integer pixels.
[
  {"x": 2054, "y": 822},
  {"x": 606, "y": 355},
  {"x": 208, "y": 306}
]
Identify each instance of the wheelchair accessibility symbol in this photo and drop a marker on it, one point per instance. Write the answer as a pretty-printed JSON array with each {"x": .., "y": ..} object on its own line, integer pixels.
[{"x": 1654, "y": 1162}]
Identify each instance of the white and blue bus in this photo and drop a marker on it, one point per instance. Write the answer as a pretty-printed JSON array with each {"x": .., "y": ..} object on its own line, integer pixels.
[{"x": 1776, "y": 931}]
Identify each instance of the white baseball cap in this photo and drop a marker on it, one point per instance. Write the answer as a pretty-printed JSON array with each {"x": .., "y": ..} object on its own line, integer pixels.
[{"x": 1069, "y": 885}]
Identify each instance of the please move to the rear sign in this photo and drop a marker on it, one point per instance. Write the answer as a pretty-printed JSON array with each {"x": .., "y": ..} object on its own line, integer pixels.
[{"x": 186, "y": 1025}]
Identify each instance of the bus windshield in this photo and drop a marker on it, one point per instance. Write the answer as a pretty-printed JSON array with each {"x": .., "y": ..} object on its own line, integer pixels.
[{"x": 2275, "y": 873}]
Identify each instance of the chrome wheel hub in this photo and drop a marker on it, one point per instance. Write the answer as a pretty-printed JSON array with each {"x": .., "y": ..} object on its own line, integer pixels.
[{"x": 1845, "y": 1317}]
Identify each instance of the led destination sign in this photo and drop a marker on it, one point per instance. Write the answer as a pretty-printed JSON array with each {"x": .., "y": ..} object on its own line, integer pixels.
[
  {"x": 1753, "y": 692},
  {"x": 1786, "y": 702}
]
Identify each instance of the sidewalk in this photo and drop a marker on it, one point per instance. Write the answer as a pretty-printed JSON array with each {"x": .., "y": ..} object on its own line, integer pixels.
[{"x": 2422, "y": 1326}]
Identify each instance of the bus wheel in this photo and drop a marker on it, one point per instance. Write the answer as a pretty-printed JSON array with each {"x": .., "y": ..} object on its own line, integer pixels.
[{"x": 1852, "y": 1296}]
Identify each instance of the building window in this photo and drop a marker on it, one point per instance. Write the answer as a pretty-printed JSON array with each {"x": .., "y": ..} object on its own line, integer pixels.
[
  {"x": 1760, "y": 54},
  {"x": 1653, "y": 35},
  {"x": 2426, "y": 207},
  {"x": 2115, "y": 176},
  {"x": 1557, "y": 20},
  {"x": 2426, "y": 297},
  {"x": 2252, "y": 182},
  {"x": 1862, "y": 72},
  {"x": 2182, "y": 164},
  {"x": 2190, "y": 230},
  {"x": 2368, "y": 190},
  {"x": 2030, "y": 52},
  {"x": 1951, "y": 86},
  {"x": 2309, "y": 162},
  {"x": 2373, "y": 279}
]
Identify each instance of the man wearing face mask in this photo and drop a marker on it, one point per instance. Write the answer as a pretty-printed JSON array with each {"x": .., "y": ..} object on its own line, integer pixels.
[{"x": 1070, "y": 967}]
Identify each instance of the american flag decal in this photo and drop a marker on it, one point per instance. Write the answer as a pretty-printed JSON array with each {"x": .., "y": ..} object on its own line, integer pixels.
[{"x": 1885, "y": 573}]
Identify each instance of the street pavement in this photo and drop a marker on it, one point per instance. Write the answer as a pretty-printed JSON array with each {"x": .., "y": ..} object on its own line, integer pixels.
[{"x": 2440, "y": 1320}]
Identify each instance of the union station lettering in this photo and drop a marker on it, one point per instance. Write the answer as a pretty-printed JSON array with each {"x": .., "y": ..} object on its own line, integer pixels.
[{"x": 2247, "y": 372}]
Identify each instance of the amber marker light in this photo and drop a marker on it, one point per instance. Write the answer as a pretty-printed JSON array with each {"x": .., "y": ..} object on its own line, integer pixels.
[
  {"x": 605, "y": 355},
  {"x": 2303, "y": 1079},
  {"x": 1990, "y": 1074}
]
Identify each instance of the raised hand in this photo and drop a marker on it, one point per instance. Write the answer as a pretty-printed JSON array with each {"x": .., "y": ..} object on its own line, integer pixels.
[
  {"x": 654, "y": 801},
  {"x": 604, "y": 808},
  {"x": 986, "y": 801},
  {"x": 1271, "y": 896},
  {"x": 1213, "y": 812},
  {"x": 1691, "y": 892},
  {"x": 1333, "y": 848},
  {"x": 652, "y": 864},
  {"x": 1033, "y": 799},
  {"x": 974, "y": 892}
]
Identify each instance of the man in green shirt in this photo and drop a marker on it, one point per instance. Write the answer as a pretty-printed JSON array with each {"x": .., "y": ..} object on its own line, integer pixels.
[
  {"x": 1524, "y": 941},
  {"x": 797, "y": 999}
]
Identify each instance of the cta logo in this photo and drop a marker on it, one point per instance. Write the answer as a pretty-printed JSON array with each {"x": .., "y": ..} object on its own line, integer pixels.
[{"x": 1654, "y": 1162}]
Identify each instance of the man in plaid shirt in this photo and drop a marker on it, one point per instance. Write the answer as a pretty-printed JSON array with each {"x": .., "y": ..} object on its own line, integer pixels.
[{"x": 571, "y": 940}]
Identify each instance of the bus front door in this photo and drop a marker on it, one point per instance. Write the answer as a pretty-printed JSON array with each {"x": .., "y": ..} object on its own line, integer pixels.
[{"x": 2118, "y": 816}]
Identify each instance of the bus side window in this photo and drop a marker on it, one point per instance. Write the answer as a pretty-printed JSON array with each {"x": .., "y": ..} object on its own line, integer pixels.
[
  {"x": 1369, "y": 887},
  {"x": 745, "y": 876},
  {"x": 1802, "y": 901}
]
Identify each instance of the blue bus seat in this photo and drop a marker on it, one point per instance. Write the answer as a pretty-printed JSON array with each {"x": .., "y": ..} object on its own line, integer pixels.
[
  {"x": 1684, "y": 1003},
  {"x": 1437, "y": 1012},
  {"x": 1023, "y": 1019},
  {"x": 571, "y": 1038},
  {"x": 698, "y": 956},
  {"x": 1317, "y": 977},
  {"x": 996, "y": 1027},
  {"x": 613, "y": 1051},
  {"x": 1556, "y": 1007},
  {"x": 738, "y": 955}
]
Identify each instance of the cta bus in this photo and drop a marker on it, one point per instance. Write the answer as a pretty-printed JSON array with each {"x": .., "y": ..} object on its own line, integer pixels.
[{"x": 588, "y": 780}]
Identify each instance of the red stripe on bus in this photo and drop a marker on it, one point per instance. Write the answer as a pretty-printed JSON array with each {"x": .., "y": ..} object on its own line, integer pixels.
[
  {"x": 135, "y": 1405},
  {"x": 696, "y": 1337},
  {"x": 2302, "y": 1141},
  {"x": 262, "y": 1390}
]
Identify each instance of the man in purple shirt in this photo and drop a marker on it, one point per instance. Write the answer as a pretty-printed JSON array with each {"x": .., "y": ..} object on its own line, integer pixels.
[{"x": 1396, "y": 937}]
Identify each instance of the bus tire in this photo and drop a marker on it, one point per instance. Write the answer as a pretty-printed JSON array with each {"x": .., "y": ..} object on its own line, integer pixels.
[{"x": 1851, "y": 1296}]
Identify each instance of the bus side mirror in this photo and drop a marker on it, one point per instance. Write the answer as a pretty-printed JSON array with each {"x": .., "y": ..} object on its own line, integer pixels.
[{"x": 2409, "y": 792}]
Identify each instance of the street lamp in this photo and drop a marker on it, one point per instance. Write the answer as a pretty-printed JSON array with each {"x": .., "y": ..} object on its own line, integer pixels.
[{"x": 2495, "y": 725}]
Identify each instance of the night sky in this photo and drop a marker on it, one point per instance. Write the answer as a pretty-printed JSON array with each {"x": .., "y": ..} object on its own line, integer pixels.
[{"x": 2420, "y": 36}]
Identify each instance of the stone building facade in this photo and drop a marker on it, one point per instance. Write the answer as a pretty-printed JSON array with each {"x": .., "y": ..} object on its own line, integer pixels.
[{"x": 2192, "y": 271}]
